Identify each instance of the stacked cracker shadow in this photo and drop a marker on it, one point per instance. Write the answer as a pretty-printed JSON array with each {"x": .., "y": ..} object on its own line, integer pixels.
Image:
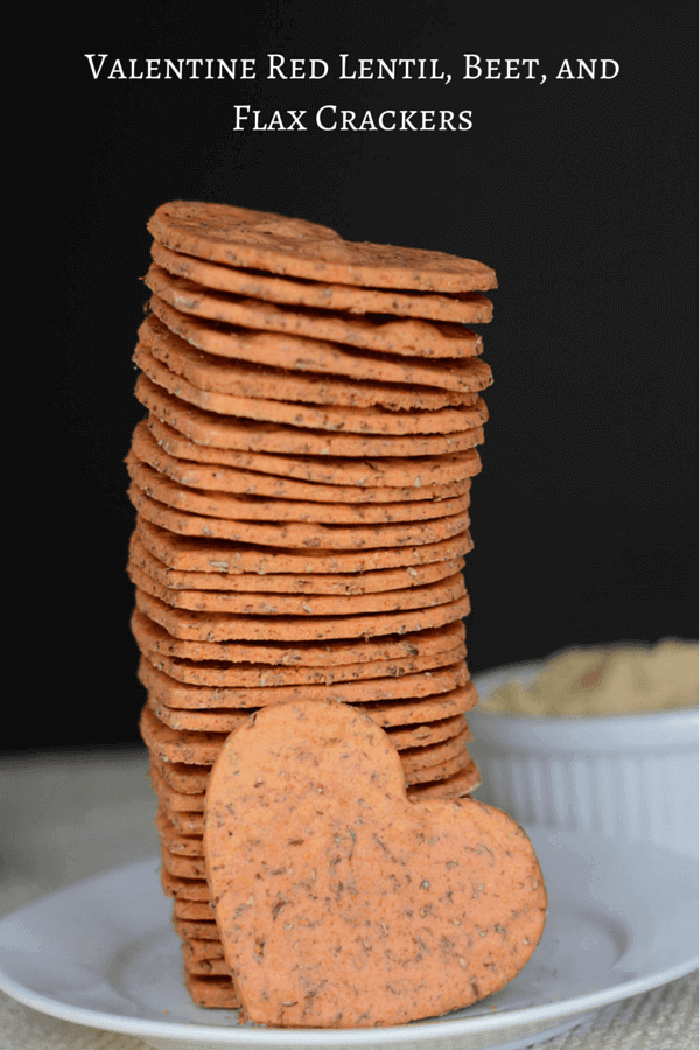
[{"x": 302, "y": 486}]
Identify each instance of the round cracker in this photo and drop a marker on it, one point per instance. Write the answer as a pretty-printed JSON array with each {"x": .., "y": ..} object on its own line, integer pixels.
[
  {"x": 458, "y": 785},
  {"x": 208, "y": 428},
  {"x": 419, "y": 765},
  {"x": 303, "y": 354},
  {"x": 299, "y": 535},
  {"x": 242, "y": 507},
  {"x": 173, "y": 694},
  {"x": 341, "y": 585},
  {"x": 155, "y": 638},
  {"x": 223, "y": 627},
  {"x": 347, "y": 418},
  {"x": 250, "y": 483},
  {"x": 190, "y": 552},
  {"x": 410, "y": 338},
  {"x": 265, "y": 241},
  {"x": 202, "y": 747},
  {"x": 464, "y": 308},
  {"x": 263, "y": 604},
  {"x": 256, "y": 666},
  {"x": 423, "y": 474},
  {"x": 224, "y": 375}
]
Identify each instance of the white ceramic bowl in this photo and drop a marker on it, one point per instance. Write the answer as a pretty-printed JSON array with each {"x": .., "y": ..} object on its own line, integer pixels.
[{"x": 631, "y": 778}]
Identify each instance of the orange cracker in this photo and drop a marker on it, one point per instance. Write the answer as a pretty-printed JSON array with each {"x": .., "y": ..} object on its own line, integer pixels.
[
  {"x": 458, "y": 785},
  {"x": 418, "y": 759},
  {"x": 202, "y": 554},
  {"x": 411, "y": 337},
  {"x": 348, "y": 584},
  {"x": 251, "y": 483},
  {"x": 261, "y": 603},
  {"x": 402, "y": 712},
  {"x": 347, "y": 418},
  {"x": 298, "y": 353},
  {"x": 208, "y": 967},
  {"x": 221, "y": 674},
  {"x": 219, "y": 431},
  {"x": 252, "y": 379},
  {"x": 448, "y": 896},
  {"x": 213, "y": 992},
  {"x": 221, "y": 627},
  {"x": 239, "y": 507},
  {"x": 154, "y": 638},
  {"x": 199, "y": 929},
  {"x": 374, "y": 475},
  {"x": 185, "y": 889},
  {"x": 174, "y": 694},
  {"x": 464, "y": 777},
  {"x": 293, "y": 247},
  {"x": 193, "y": 950},
  {"x": 298, "y": 534},
  {"x": 188, "y": 868},
  {"x": 422, "y": 764},
  {"x": 465, "y": 307},
  {"x": 183, "y": 846},
  {"x": 429, "y": 709},
  {"x": 193, "y": 747}
]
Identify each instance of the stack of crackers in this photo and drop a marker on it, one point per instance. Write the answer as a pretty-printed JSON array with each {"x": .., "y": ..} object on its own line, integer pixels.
[{"x": 302, "y": 486}]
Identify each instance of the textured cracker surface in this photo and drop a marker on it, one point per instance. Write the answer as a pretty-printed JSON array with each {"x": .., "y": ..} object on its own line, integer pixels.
[{"x": 383, "y": 911}]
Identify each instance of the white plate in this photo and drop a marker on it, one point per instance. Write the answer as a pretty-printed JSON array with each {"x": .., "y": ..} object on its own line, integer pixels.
[{"x": 621, "y": 920}]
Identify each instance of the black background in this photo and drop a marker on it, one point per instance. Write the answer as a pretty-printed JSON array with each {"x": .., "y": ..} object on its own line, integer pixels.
[{"x": 580, "y": 193}]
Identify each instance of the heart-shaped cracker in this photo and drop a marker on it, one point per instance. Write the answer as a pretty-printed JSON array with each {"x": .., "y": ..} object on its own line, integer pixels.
[{"x": 342, "y": 904}]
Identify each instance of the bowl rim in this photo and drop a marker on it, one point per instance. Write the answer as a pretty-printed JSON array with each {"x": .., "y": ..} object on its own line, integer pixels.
[{"x": 674, "y": 728}]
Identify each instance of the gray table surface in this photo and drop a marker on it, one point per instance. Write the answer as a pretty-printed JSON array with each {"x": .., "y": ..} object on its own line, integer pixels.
[{"x": 64, "y": 818}]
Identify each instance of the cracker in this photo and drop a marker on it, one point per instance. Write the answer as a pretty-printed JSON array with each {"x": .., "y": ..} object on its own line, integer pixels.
[
  {"x": 193, "y": 950},
  {"x": 239, "y": 507},
  {"x": 302, "y": 354},
  {"x": 251, "y": 483},
  {"x": 208, "y": 967},
  {"x": 296, "y": 534},
  {"x": 154, "y": 638},
  {"x": 384, "y": 911},
  {"x": 213, "y": 992},
  {"x": 401, "y": 712},
  {"x": 174, "y": 694},
  {"x": 431, "y": 708},
  {"x": 265, "y": 241},
  {"x": 221, "y": 674},
  {"x": 195, "y": 929},
  {"x": 465, "y": 308},
  {"x": 179, "y": 746},
  {"x": 222, "y": 627},
  {"x": 252, "y": 379},
  {"x": 189, "y": 778},
  {"x": 375, "y": 475},
  {"x": 261, "y": 603},
  {"x": 183, "y": 846},
  {"x": 188, "y": 868},
  {"x": 185, "y": 824},
  {"x": 411, "y": 337},
  {"x": 193, "y": 746},
  {"x": 459, "y": 785},
  {"x": 423, "y": 758},
  {"x": 208, "y": 428},
  {"x": 347, "y": 418},
  {"x": 199, "y": 554},
  {"x": 439, "y": 784},
  {"x": 348, "y": 584}
]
